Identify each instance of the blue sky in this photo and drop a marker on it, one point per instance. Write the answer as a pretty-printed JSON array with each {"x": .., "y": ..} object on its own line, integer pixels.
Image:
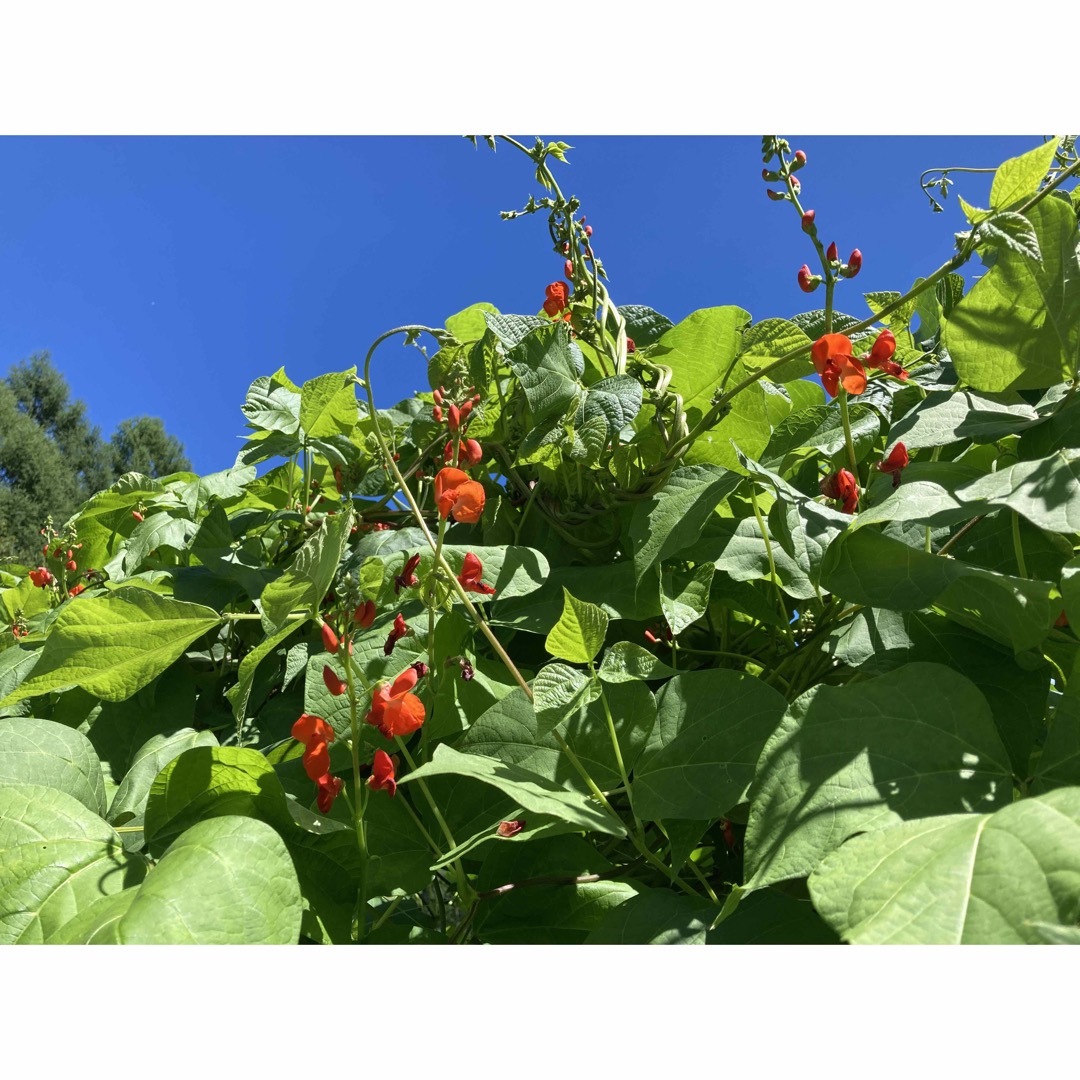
[{"x": 164, "y": 274}]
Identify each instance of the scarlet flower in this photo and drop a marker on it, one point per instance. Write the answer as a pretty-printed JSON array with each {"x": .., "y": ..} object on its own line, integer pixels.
[
  {"x": 880, "y": 356},
  {"x": 470, "y": 453},
  {"x": 471, "y": 571},
  {"x": 382, "y": 773},
  {"x": 832, "y": 358},
  {"x": 364, "y": 615},
  {"x": 895, "y": 463},
  {"x": 330, "y": 640},
  {"x": 335, "y": 685},
  {"x": 310, "y": 727},
  {"x": 557, "y": 296},
  {"x": 327, "y": 788},
  {"x": 399, "y": 631},
  {"x": 394, "y": 710},
  {"x": 842, "y": 485},
  {"x": 457, "y": 496},
  {"x": 407, "y": 579},
  {"x": 41, "y": 577},
  {"x": 510, "y": 828},
  {"x": 75, "y": 590}
]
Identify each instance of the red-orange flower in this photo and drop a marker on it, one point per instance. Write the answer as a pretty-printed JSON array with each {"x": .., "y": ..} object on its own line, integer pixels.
[
  {"x": 842, "y": 485},
  {"x": 833, "y": 361},
  {"x": 895, "y": 463},
  {"x": 310, "y": 727},
  {"x": 327, "y": 788},
  {"x": 407, "y": 578},
  {"x": 557, "y": 296},
  {"x": 472, "y": 571},
  {"x": 397, "y": 632},
  {"x": 334, "y": 684},
  {"x": 880, "y": 356},
  {"x": 75, "y": 590},
  {"x": 41, "y": 577},
  {"x": 382, "y": 773},
  {"x": 394, "y": 710},
  {"x": 364, "y": 615},
  {"x": 457, "y": 496},
  {"x": 330, "y": 640}
]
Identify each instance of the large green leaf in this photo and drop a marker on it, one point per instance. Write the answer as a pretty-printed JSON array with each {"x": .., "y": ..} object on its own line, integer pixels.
[
  {"x": 56, "y": 859},
  {"x": 1059, "y": 762},
  {"x": 673, "y": 519},
  {"x": 229, "y": 881},
  {"x": 867, "y": 567},
  {"x": 41, "y": 752},
  {"x": 305, "y": 582},
  {"x": 115, "y": 644},
  {"x": 616, "y": 401},
  {"x": 579, "y": 634},
  {"x": 529, "y": 790},
  {"x": 1020, "y": 177},
  {"x": 684, "y": 595},
  {"x": 766, "y": 341},
  {"x": 213, "y": 781},
  {"x": 979, "y": 879},
  {"x": 916, "y": 741},
  {"x": 945, "y": 416},
  {"x": 547, "y": 369},
  {"x": 557, "y": 691},
  {"x": 328, "y": 405},
  {"x": 770, "y": 917},
  {"x": 273, "y": 404},
  {"x": 655, "y": 917},
  {"x": 1019, "y": 327},
  {"x": 700, "y": 349},
  {"x": 627, "y": 662},
  {"x": 130, "y": 799},
  {"x": 1046, "y": 492},
  {"x": 240, "y": 693},
  {"x": 710, "y": 728}
]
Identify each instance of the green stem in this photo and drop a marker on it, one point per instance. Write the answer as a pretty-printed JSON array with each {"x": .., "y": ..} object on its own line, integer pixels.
[
  {"x": 613, "y": 735},
  {"x": 784, "y": 617},
  {"x": 1018, "y": 547},
  {"x": 842, "y": 399}
]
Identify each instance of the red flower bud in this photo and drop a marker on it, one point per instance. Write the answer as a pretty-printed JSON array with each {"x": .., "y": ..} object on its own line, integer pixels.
[
  {"x": 842, "y": 485},
  {"x": 75, "y": 590},
  {"x": 630, "y": 346},
  {"x": 568, "y": 269},
  {"x": 507, "y": 829},
  {"x": 895, "y": 463},
  {"x": 327, "y": 788},
  {"x": 437, "y": 394},
  {"x": 407, "y": 578},
  {"x": 651, "y": 638},
  {"x": 799, "y": 162},
  {"x": 364, "y": 615},
  {"x": 808, "y": 221},
  {"x": 330, "y": 640},
  {"x": 854, "y": 263},
  {"x": 136, "y": 515},
  {"x": 807, "y": 281},
  {"x": 466, "y": 408},
  {"x": 776, "y": 196},
  {"x": 335, "y": 685},
  {"x": 833, "y": 255},
  {"x": 436, "y": 414},
  {"x": 588, "y": 230},
  {"x": 71, "y": 565},
  {"x": 420, "y": 668},
  {"x": 455, "y": 418},
  {"x": 795, "y": 185},
  {"x": 398, "y": 631}
]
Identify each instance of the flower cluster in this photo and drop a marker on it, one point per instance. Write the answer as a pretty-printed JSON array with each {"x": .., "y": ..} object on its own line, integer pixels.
[
  {"x": 835, "y": 362},
  {"x": 316, "y": 735},
  {"x": 395, "y": 710},
  {"x": 557, "y": 298},
  {"x": 842, "y": 485}
]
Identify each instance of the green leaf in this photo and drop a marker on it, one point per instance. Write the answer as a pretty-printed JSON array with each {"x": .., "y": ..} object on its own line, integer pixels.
[
  {"x": 130, "y": 798},
  {"x": 1020, "y": 177},
  {"x": 229, "y": 881},
  {"x": 240, "y": 693},
  {"x": 655, "y": 917},
  {"x": 328, "y": 405},
  {"x": 56, "y": 859},
  {"x": 1019, "y": 327},
  {"x": 978, "y": 879},
  {"x": 684, "y": 595},
  {"x": 700, "y": 757},
  {"x": 916, "y": 741},
  {"x": 547, "y": 371},
  {"x": 766, "y": 341},
  {"x": 644, "y": 325},
  {"x": 308, "y": 577},
  {"x": 558, "y": 690},
  {"x": 1059, "y": 762},
  {"x": 1014, "y": 232},
  {"x": 114, "y": 645},
  {"x": 510, "y": 330},
  {"x": 866, "y": 567},
  {"x": 469, "y": 324},
  {"x": 579, "y": 634},
  {"x": 700, "y": 349},
  {"x": 770, "y": 917},
  {"x": 41, "y": 752},
  {"x": 273, "y": 404},
  {"x": 946, "y": 416},
  {"x": 627, "y": 662},
  {"x": 530, "y": 791},
  {"x": 1046, "y": 492},
  {"x": 616, "y": 400},
  {"x": 673, "y": 519},
  {"x": 213, "y": 781}
]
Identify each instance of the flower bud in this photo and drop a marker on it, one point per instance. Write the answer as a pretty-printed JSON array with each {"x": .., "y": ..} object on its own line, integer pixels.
[
  {"x": 833, "y": 254},
  {"x": 437, "y": 395},
  {"x": 335, "y": 685},
  {"x": 71, "y": 566},
  {"x": 630, "y": 346},
  {"x": 776, "y": 196},
  {"x": 455, "y": 418},
  {"x": 854, "y": 264},
  {"x": 795, "y": 185},
  {"x": 568, "y": 269},
  {"x": 137, "y": 516},
  {"x": 329, "y": 638},
  {"x": 769, "y": 176},
  {"x": 808, "y": 221},
  {"x": 436, "y": 414},
  {"x": 364, "y": 615},
  {"x": 807, "y": 282},
  {"x": 799, "y": 162},
  {"x": 588, "y": 230}
]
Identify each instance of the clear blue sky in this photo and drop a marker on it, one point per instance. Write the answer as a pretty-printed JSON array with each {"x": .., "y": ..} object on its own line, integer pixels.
[{"x": 165, "y": 274}]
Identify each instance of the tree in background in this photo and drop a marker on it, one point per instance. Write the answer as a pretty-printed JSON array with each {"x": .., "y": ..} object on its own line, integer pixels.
[{"x": 52, "y": 458}]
